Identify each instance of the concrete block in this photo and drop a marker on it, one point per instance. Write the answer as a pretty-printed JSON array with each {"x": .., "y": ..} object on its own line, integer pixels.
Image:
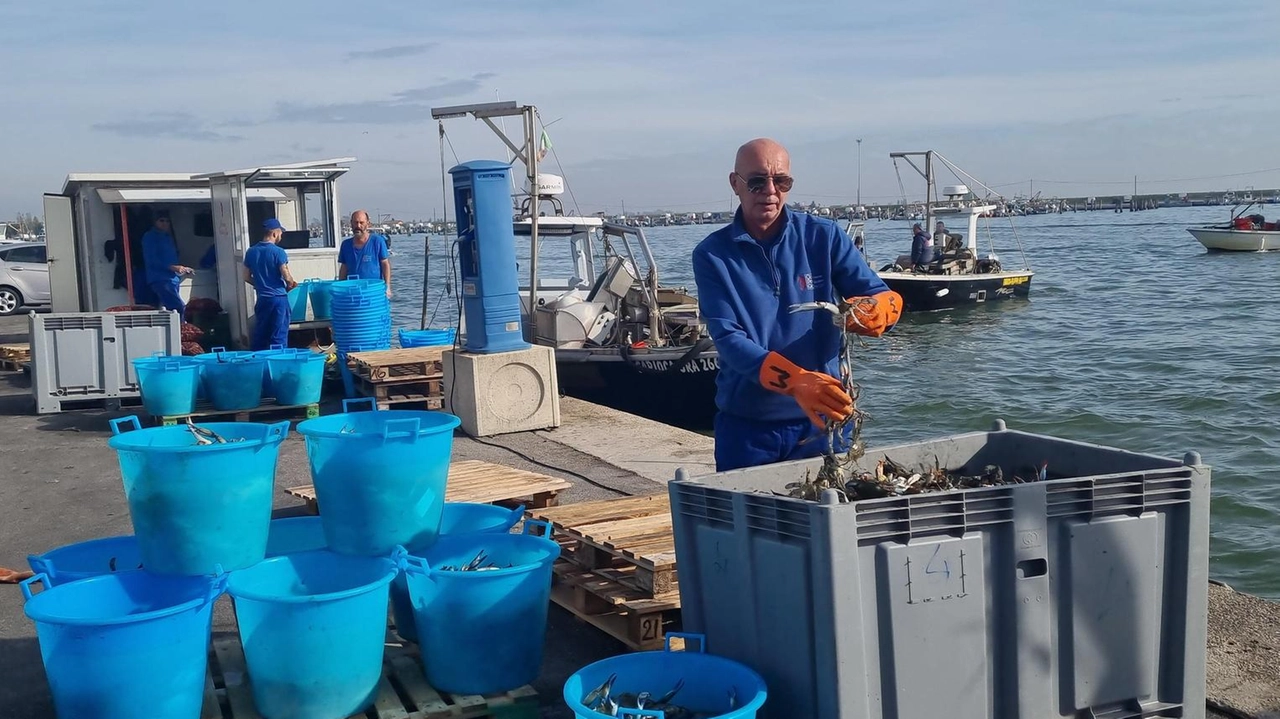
[{"x": 502, "y": 392}]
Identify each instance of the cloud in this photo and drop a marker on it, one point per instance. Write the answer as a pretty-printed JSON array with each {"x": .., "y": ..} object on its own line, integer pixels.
[
  {"x": 167, "y": 125},
  {"x": 391, "y": 53},
  {"x": 410, "y": 105}
]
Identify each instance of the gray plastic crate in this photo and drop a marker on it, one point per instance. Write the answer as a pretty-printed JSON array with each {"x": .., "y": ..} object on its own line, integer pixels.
[
  {"x": 1081, "y": 596},
  {"x": 83, "y": 359}
]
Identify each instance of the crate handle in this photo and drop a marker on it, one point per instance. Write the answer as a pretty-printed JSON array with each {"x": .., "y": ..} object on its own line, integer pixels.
[
  {"x": 216, "y": 350},
  {"x": 347, "y": 403},
  {"x": 414, "y": 565},
  {"x": 25, "y": 584},
  {"x": 40, "y": 565},
  {"x": 411, "y": 426},
  {"x": 514, "y": 518},
  {"x": 279, "y": 429},
  {"x": 529, "y": 524},
  {"x": 276, "y": 347},
  {"x": 116, "y": 423},
  {"x": 686, "y": 636},
  {"x": 219, "y": 585}
]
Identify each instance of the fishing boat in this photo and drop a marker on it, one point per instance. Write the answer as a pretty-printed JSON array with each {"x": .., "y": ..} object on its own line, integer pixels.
[
  {"x": 1244, "y": 233},
  {"x": 958, "y": 276},
  {"x": 622, "y": 339}
]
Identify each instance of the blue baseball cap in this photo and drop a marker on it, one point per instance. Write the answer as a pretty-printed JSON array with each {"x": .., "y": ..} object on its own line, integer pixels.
[{"x": 272, "y": 224}]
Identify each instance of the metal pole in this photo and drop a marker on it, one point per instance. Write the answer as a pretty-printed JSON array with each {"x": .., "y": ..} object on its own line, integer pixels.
[
  {"x": 128, "y": 256},
  {"x": 859, "y": 171},
  {"x": 531, "y": 152}
]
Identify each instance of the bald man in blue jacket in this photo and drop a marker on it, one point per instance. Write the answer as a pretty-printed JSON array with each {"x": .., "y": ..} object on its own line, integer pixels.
[{"x": 777, "y": 384}]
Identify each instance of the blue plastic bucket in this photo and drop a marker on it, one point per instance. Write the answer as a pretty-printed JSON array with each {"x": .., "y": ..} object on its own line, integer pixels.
[
  {"x": 427, "y": 338},
  {"x": 313, "y": 625},
  {"x": 195, "y": 507},
  {"x": 457, "y": 518},
  {"x": 482, "y": 631},
  {"x": 168, "y": 385},
  {"x": 87, "y": 559},
  {"x": 234, "y": 381},
  {"x": 321, "y": 299},
  {"x": 709, "y": 682},
  {"x": 118, "y": 646},
  {"x": 379, "y": 476},
  {"x": 290, "y": 535},
  {"x": 298, "y": 297},
  {"x": 297, "y": 378},
  {"x": 268, "y": 390}
]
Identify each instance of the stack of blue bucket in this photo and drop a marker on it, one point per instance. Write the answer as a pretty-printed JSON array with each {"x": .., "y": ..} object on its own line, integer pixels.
[
  {"x": 361, "y": 314},
  {"x": 428, "y": 337}
]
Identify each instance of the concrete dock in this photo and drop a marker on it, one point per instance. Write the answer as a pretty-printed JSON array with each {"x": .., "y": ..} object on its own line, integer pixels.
[{"x": 60, "y": 484}]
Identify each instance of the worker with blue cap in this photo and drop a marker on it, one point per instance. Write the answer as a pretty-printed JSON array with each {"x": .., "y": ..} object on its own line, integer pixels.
[
  {"x": 266, "y": 267},
  {"x": 776, "y": 390}
]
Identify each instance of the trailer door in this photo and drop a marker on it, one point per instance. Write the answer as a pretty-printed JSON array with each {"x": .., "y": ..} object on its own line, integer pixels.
[{"x": 60, "y": 244}]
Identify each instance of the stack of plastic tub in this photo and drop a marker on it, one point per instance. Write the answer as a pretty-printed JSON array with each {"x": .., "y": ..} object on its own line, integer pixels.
[{"x": 361, "y": 315}]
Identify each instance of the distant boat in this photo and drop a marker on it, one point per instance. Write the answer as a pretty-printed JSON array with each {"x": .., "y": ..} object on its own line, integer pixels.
[
  {"x": 959, "y": 275},
  {"x": 1244, "y": 233}
]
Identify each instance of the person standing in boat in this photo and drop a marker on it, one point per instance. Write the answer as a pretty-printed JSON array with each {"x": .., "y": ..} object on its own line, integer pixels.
[
  {"x": 777, "y": 384},
  {"x": 364, "y": 254},
  {"x": 266, "y": 267},
  {"x": 921, "y": 249}
]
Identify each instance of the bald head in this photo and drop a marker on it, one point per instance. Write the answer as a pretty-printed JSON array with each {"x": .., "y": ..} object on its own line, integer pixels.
[
  {"x": 765, "y": 165},
  {"x": 761, "y": 151}
]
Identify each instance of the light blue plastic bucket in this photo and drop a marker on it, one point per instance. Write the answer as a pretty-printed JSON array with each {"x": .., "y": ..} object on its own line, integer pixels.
[
  {"x": 168, "y": 384},
  {"x": 298, "y": 297},
  {"x": 290, "y": 535},
  {"x": 321, "y": 299},
  {"x": 195, "y": 507},
  {"x": 482, "y": 631},
  {"x": 427, "y": 338},
  {"x": 379, "y": 476},
  {"x": 234, "y": 383},
  {"x": 709, "y": 682},
  {"x": 298, "y": 377},
  {"x": 276, "y": 351},
  {"x": 87, "y": 559},
  {"x": 119, "y": 646},
  {"x": 313, "y": 625},
  {"x": 457, "y": 518}
]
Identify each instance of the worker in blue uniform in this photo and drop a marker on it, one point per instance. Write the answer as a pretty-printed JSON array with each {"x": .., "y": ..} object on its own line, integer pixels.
[
  {"x": 266, "y": 267},
  {"x": 160, "y": 260},
  {"x": 364, "y": 254},
  {"x": 777, "y": 384}
]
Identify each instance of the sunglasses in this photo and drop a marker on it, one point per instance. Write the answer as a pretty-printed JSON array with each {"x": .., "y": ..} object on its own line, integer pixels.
[{"x": 757, "y": 183}]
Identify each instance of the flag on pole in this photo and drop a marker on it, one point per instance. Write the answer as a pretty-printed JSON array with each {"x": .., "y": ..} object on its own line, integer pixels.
[{"x": 544, "y": 145}]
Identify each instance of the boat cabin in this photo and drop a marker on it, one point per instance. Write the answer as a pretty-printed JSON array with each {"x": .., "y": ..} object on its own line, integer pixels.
[{"x": 214, "y": 218}]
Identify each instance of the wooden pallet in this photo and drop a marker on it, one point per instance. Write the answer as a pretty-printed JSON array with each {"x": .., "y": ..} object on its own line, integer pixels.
[
  {"x": 402, "y": 365},
  {"x": 403, "y": 692},
  {"x": 19, "y": 352},
  {"x": 483, "y": 483},
  {"x": 630, "y": 615},
  {"x": 11, "y": 365},
  {"x": 204, "y": 410},
  {"x": 632, "y": 535}
]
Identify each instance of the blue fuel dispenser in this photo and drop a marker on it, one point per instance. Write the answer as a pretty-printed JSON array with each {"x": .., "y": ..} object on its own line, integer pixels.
[{"x": 487, "y": 257}]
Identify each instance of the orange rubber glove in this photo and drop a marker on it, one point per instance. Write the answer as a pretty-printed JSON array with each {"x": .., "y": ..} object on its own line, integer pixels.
[
  {"x": 817, "y": 394},
  {"x": 873, "y": 315}
]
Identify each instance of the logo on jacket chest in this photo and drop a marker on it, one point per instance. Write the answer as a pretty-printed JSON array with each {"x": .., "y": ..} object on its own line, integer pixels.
[{"x": 808, "y": 281}]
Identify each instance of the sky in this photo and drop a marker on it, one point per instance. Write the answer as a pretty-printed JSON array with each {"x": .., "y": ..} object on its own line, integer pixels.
[{"x": 646, "y": 102}]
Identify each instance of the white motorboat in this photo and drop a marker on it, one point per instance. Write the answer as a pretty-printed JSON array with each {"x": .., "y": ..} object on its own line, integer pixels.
[{"x": 1245, "y": 233}]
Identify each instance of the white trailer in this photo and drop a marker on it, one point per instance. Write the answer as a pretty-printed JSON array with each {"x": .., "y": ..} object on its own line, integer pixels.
[{"x": 219, "y": 210}]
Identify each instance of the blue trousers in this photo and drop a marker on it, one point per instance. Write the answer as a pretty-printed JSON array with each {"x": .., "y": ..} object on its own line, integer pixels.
[
  {"x": 167, "y": 295},
  {"x": 271, "y": 316},
  {"x": 742, "y": 442}
]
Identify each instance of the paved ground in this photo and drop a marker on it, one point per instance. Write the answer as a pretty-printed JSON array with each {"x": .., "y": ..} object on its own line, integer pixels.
[{"x": 60, "y": 483}]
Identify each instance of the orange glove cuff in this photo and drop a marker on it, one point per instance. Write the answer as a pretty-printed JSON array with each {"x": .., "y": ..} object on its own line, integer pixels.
[{"x": 873, "y": 315}]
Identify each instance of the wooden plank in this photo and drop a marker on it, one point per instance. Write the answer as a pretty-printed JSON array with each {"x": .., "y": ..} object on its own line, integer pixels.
[
  {"x": 426, "y": 700},
  {"x": 640, "y": 632},
  {"x": 235, "y": 678},
  {"x": 607, "y": 510},
  {"x": 211, "y": 708},
  {"x": 387, "y": 704}
]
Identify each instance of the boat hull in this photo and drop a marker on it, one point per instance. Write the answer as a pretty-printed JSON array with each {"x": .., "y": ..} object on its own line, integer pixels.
[
  {"x": 646, "y": 386},
  {"x": 1226, "y": 240},
  {"x": 928, "y": 293}
]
